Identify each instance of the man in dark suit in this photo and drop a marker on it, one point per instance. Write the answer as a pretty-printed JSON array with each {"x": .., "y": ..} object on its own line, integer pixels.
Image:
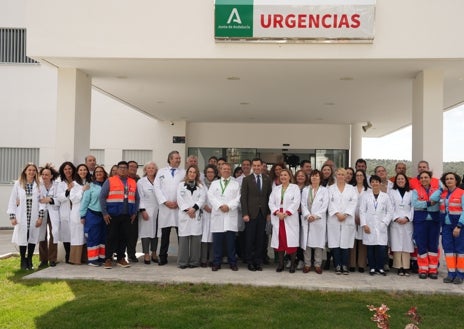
[{"x": 254, "y": 199}]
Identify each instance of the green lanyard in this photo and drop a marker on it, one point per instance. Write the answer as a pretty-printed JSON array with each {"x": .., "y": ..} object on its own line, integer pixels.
[
  {"x": 223, "y": 188},
  {"x": 282, "y": 195}
]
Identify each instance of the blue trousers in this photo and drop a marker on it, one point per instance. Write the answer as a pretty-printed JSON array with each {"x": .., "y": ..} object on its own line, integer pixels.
[
  {"x": 376, "y": 257},
  {"x": 454, "y": 251},
  {"x": 426, "y": 235},
  {"x": 218, "y": 240}
]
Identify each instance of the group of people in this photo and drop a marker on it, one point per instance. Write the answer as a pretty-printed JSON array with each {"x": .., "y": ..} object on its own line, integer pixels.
[{"x": 309, "y": 217}]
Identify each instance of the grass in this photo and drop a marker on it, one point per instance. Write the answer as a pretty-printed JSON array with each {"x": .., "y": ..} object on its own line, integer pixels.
[{"x": 96, "y": 304}]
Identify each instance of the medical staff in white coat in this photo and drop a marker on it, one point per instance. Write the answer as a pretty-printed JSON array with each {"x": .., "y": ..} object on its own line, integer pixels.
[
  {"x": 191, "y": 196},
  {"x": 224, "y": 196},
  {"x": 166, "y": 182},
  {"x": 48, "y": 247},
  {"x": 284, "y": 202},
  {"x": 148, "y": 213},
  {"x": 358, "y": 254},
  {"x": 67, "y": 175},
  {"x": 375, "y": 213},
  {"x": 314, "y": 203},
  {"x": 78, "y": 251},
  {"x": 401, "y": 228},
  {"x": 206, "y": 258},
  {"x": 26, "y": 214},
  {"x": 341, "y": 228}
]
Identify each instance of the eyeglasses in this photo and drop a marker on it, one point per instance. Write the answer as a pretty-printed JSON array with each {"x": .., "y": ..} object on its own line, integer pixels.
[{"x": 122, "y": 167}]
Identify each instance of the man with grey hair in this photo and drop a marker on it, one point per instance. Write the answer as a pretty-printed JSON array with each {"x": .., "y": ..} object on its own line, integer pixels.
[
  {"x": 91, "y": 163},
  {"x": 165, "y": 185}
]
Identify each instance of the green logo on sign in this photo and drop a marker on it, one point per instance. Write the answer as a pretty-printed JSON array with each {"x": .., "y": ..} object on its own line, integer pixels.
[{"x": 233, "y": 20}]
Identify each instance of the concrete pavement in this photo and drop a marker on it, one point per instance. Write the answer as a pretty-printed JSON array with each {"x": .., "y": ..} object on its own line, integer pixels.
[{"x": 328, "y": 281}]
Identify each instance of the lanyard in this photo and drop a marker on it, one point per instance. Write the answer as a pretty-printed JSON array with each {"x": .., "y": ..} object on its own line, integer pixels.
[
  {"x": 223, "y": 188},
  {"x": 282, "y": 194},
  {"x": 311, "y": 196}
]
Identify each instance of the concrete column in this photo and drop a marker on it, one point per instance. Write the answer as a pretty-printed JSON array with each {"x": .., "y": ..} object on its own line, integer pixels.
[
  {"x": 427, "y": 119},
  {"x": 73, "y": 116},
  {"x": 356, "y": 143}
]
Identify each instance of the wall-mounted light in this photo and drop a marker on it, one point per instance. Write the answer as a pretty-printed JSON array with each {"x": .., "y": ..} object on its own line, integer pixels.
[{"x": 367, "y": 126}]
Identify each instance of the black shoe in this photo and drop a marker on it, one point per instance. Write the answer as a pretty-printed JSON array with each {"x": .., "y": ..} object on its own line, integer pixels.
[
  {"x": 361, "y": 270},
  {"x": 382, "y": 272},
  {"x": 448, "y": 279},
  {"x": 52, "y": 263},
  {"x": 258, "y": 268},
  {"x": 147, "y": 262},
  {"x": 43, "y": 264},
  {"x": 162, "y": 262},
  {"x": 234, "y": 267},
  {"x": 457, "y": 280},
  {"x": 372, "y": 272},
  {"x": 215, "y": 268},
  {"x": 433, "y": 276},
  {"x": 422, "y": 275},
  {"x": 133, "y": 259},
  {"x": 183, "y": 267},
  {"x": 280, "y": 268},
  {"x": 338, "y": 270},
  {"x": 352, "y": 269},
  {"x": 251, "y": 267}
]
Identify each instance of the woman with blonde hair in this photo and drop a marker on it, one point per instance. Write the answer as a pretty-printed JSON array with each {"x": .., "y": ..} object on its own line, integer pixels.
[
  {"x": 284, "y": 202},
  {"x": 341, "y": 227},
  {"x": 191, "y": 196},
  {"x": 148, "y": 213},
  {"x": 26, "y": 213}
]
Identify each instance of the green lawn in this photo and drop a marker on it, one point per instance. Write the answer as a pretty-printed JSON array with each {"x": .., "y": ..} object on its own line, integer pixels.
[{"x": 95, "y": 304}]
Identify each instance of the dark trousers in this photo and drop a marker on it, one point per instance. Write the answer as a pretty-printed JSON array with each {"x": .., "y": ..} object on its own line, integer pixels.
[
  {"x": 376, "y": 256},
  {"x": 164, "y": 247},
  {"x": 341, "y": 256},
  {"x": 116, "y": 236},
  {"x": 218, "y": 239},
  {"x": 426, "y": 236},
  {"x": 254, "y": 239},
  {"x": 133, "y": 237}
]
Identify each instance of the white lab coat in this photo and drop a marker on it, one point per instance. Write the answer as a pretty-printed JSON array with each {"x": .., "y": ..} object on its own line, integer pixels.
[
  {"x": 313, "y": 234},
  {"x": 190, "y": 226},
  {"x": 75, "y": 225},
  {"x": 224, "y": 221},
  {"x": 401, "y": 234},
  {"x": 377, "y": 215},
  {"x": 149, "y": 202},
  {"x": 52, "y": 211},
  {"x": 17, "y": 206},
  {"x": 65, "y": 212},
  {"x": 341, "y": 234},
  {"x": 359, "y": 229},
  {"x": 166, "y": 190},
  {"x": 291, "y": 203},
  {"x": 206, "y": 235}
]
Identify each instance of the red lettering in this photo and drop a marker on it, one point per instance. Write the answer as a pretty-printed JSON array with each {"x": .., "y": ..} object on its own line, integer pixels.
[
  {"x": 290, "y": 21},
  {"x": 326, "y": 18},
  {"x": 343, "y": 22},
  {"x": 355, "y": 21},
  {"x": 266, "y": 23},
  {"x": 278, "y": 19},
  {"x": 301, "y": 21},
  {"x": 314, "y": 21}
]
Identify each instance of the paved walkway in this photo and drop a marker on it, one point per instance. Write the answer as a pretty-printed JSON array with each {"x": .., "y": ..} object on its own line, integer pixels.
[{"x": 328, "y": 281}]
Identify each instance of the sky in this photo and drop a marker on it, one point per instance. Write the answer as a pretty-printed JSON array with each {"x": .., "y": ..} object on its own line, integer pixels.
[{"x": 387, "y": 147}]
